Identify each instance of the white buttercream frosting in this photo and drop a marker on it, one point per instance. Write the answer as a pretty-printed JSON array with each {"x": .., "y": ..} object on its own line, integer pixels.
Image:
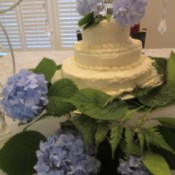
[
  {"x": 108, "y": 54},
  {"x": 109, "y": 60},
  {"x": 107, "y": 31},
  {"x": 113, "y": 82}
]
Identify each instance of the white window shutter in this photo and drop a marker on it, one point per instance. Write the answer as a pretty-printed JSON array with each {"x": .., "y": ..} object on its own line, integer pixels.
[
  {"x": 26, "y": 25},
  {"x": 34, "y": 24},
  {"x": 40, "y": 24},
  {"x": 10, "y": 22},
  {"x": 68, "y": 22}
]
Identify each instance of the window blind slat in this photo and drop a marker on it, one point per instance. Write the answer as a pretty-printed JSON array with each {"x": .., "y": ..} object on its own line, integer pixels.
[
  {"x": 10, "y": 23},
  {"x": 29, "y": 25},
  {"x": 33, "y": 16},
  {"x": 68, "y": 20}
]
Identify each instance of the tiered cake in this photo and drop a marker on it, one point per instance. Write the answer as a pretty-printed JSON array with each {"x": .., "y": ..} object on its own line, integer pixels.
[{"x": 109, "y": 60}]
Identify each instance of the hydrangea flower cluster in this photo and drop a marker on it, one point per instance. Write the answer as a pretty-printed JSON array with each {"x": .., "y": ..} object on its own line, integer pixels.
[
  {"x": 86, "y": 6},
  {"x": 128, "y": 12},
  {"x": 125, "y": 12},
  {"x": 132, "y": 166},
  {"x": 65, "y": 154},
  {"x": 24, "y": 96}
]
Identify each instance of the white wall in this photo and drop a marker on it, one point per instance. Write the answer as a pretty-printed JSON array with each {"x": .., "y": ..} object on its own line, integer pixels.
[{"x": 151, "y": 21}]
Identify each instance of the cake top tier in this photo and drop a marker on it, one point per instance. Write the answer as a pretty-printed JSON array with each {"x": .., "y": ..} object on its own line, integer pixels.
[{"x": 107, "y": 31}]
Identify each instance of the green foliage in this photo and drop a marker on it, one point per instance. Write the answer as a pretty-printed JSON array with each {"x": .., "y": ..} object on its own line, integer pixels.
[
  {"x": 47, "y": 67},
  {"x": 101, "y": 115},
  {"x": 157, "y": 97},
  {"x": 59, "y": 67},
  {"x": 141, "y": 139},
  {"x": 63, "y": 88},
  {"x": 101, "y": 132},
  {"x": 163, "y": 95},
  {"x": 129, "y": 138},
  {"x": 67, "y": 125},
  {"x": 87, "y": 20},
  {"x": 161, "y": 66},
  {"x": 93, "y": 103},
  {"x": 115, "y": 138},
  {"x": 129, "y": 144},
  {"x": 156, "y": 164},
  {"x": 152, "y": 136},
  {"x": 58, "y": 93},
  {"x": 130, "y": 114},
  {"x": 18, "y": 155},
  {"x": 167, "y": 121},
  {"x": 133, "y": 150},
  {"x": 90, "y": 20},
  {"x": 87, "y": 126},
  {"x": 136, "y": 104},
  {"x": 171, "y": 70},
  {"x": 168, "y": 134}
]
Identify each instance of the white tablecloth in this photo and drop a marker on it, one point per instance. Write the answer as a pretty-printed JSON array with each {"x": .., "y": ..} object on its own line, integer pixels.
[
  {"x": 31, "y": 59},
  {"x": 28, "y": 60}
]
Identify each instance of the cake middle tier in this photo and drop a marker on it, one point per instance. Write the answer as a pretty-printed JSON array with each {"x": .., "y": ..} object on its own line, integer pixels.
[
  {"x": 113, "y": 82},
  {"x": 101, "y": 56}
]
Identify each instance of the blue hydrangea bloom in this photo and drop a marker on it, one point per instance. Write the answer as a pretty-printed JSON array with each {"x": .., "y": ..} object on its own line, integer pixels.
[
  {"x": 65, "y": 154},
  {"x": 83, "y": 7},
  {"x": 24, "y": 96},
  {"x": 86, "y": 6},
  {"x": 128, "y": 12},
  {"x": 132, "y": 166}
]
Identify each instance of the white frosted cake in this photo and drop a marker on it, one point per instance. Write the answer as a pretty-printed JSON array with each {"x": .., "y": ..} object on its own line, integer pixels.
[{"x": 109, "y": 60}]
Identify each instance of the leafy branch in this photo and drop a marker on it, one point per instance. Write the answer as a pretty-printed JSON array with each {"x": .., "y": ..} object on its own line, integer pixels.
[{"x": 90, "y": 19}]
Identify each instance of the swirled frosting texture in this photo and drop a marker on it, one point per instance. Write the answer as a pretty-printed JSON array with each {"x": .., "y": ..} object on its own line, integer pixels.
[
  {"x": 109, "y": 60},
  {"x": 113, "y": 82},
  {"x": 116, "y": 54}
]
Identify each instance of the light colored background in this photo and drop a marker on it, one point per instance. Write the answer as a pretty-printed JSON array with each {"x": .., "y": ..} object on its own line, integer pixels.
[{"x": 151, "y": 21}]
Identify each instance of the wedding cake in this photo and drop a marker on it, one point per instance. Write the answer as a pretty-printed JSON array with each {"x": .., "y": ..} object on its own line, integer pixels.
[{"x": 109, "y": 60}]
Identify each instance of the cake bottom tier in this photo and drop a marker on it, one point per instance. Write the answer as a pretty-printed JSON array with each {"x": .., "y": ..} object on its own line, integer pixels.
[{"x": 112, "y": 82}]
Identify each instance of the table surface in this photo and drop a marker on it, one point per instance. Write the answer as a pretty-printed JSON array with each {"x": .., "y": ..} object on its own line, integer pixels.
[
  {"x": 31, "y": 59},
  {"x": 26, "y": 60}
]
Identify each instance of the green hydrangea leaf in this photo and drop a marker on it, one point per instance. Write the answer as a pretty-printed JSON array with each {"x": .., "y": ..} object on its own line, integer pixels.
[
  {"x": 93, "y": 103},
  {"x": 161, "y": 66},
  {"x": 63, "y": 88},
  {"x": 171, "y": 69},
  {"x": 47, "y": 67},
  {"x": 157, "y": 97},
  {"x": 58, "y": 107},
  {"x": 165, "y": 94},
  {"x": 156, "y": 164},
  {"x": 87, "y": 126},
  {"x": 18, "y": 155},
  {"x": 58, "y": 92}
]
